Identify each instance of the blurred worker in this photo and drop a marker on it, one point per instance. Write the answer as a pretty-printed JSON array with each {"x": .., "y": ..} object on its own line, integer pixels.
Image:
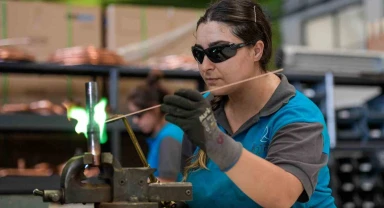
[
  {"x": 165, "y": 138},
  {"x": 261, "y": 143}
]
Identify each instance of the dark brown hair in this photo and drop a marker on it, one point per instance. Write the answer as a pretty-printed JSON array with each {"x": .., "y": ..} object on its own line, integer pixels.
[
  {"x": 240, "y": 15},
  {"x": 150, "y": 93}
]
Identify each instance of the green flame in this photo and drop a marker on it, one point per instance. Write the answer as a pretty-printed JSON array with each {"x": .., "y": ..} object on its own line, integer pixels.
[
  {"x": 81, "y": 115},
  {"x": 100, "y": 118}
]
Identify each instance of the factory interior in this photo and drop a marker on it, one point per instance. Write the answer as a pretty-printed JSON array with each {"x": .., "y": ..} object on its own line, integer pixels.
[{"x": 73, "y": 129}]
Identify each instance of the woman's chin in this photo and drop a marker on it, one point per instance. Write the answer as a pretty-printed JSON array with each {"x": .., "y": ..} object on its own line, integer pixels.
[{"x": 219, "y": 92}]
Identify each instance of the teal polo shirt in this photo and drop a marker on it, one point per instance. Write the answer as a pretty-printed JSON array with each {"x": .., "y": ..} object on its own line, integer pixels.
[
  {"x": 164, "y": 151},
  {"x": 290, "y": 132}
]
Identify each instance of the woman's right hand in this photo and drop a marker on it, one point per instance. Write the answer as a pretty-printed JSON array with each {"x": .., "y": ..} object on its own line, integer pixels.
[{"x": 189, "y": 110}]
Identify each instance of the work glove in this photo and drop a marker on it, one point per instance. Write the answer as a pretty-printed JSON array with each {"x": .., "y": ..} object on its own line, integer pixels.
[{"x": 193, "y": 114}]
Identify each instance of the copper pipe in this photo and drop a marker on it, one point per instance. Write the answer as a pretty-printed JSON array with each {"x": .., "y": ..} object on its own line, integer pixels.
[{"x": 143, "y": 159}]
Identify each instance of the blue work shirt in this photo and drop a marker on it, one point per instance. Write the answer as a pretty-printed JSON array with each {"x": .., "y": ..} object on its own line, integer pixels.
[
  {"x": 286, "y": 132},
  {"x": 171, "y": 131}
]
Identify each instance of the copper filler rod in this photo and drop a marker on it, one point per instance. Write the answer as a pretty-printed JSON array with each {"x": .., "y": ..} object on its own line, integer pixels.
[
  {"x": 117, "y": 117},
  {"x": 152, "y": 178}
]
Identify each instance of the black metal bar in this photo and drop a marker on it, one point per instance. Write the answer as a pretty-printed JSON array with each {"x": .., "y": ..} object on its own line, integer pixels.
[
  {"x": 114, "y": 105},
  {"x": 38, "y": 123},
  {"x": 366, "y": 79},
  {"x": 25, "y": 184},
  {"x": 42, "y": 68},
  {"x": 114, "y": 90},
  {"x": 47, "y": 68},
  {"x": 143, "y": 72},
  {"x": 93, "y": 130},
  {"x": 116, "y": 143}
]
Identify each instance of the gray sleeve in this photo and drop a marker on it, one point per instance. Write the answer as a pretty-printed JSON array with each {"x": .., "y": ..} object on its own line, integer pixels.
[
  {"x": 298, "y": 149},
  {"x": 169, "y": 159},
  {"x": 187, "y": 151}
]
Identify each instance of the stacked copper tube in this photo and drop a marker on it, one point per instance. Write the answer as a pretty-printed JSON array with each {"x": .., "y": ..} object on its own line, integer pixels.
[
  {"x": 8, "y": 53},
  {"x": 77, "y": 56},
  {"x": 67, "y": 56},
  {"x": 85, "y": 55},
  {"x": 42, "y": 107},
  {"x": 40, "y": 169},
  {"x": 80, "y": 55},
  {"x": 172, "y": 62}
]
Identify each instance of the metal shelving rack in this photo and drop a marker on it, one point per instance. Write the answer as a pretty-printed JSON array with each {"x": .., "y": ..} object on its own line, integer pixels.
[
  {"x": 338, "y": 79},
  {"x": 30, "y": 122},
  {"x": 60, "y": 123},
  {"x": 114, "y": 73}
]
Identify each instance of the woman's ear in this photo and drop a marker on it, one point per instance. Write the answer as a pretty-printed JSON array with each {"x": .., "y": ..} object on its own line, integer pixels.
[{"x": 258, "y": 49}]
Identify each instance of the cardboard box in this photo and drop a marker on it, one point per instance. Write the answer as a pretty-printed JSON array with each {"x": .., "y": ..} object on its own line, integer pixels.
[
  {"x": 87, "y": 26},
  {"x": 45, "y": 23},
  {"x": 178, "y": 18},
  {"x": 127, "y": 25},
  {"x": 3, "y": 5},
  {"x": 123, "y": 25},
  {"x": 51, "y": 26}
]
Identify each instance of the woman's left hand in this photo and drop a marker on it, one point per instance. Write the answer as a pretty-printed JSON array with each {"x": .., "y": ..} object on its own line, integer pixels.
[{"x": 191, "y": 112}]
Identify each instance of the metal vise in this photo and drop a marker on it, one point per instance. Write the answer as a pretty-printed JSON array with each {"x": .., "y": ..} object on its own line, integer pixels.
[
  {"x": 122, "y": 187},
  {"x": 116, "y": 187}
]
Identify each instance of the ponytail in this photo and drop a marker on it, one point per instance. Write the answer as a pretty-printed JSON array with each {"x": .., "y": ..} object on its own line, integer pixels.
[{"x": 199, "y": 161}]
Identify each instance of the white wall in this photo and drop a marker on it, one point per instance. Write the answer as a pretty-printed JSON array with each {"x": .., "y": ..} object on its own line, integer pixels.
[
  {"x": 373, "y": 10},
  {"x": 319, "y": 32},
  {"x": 352, "y": 29},
  {"x": 291, "y": 30},
  {"x": 292, "y": 26},
  {"x": 342, "y": 29}
]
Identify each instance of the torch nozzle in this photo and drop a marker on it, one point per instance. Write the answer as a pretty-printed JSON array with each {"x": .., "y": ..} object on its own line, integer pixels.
[{"x": 93, "y": 130}]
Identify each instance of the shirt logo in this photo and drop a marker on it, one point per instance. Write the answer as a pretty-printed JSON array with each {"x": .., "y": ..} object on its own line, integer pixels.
[{"x": 265, "y": 135}]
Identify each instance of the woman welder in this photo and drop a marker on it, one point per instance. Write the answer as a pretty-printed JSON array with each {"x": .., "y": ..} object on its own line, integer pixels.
[{"x": 261, "y": 143}]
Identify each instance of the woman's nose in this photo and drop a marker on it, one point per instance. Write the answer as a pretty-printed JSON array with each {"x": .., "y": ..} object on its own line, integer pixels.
[{"x": 206, "y": 65}]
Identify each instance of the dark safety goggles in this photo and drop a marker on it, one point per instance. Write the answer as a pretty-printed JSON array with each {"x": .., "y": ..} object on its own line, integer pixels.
[{"x": 217, "y": 53}]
